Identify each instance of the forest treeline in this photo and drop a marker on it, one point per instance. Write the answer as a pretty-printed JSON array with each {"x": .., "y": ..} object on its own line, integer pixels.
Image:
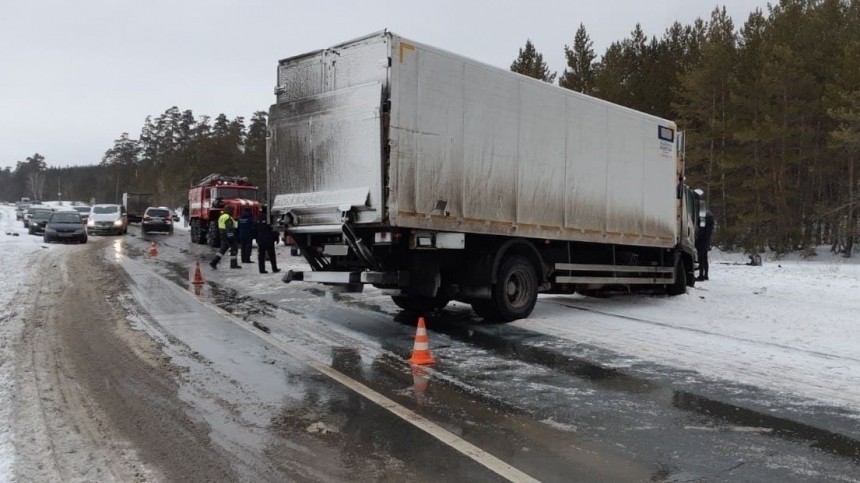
[
  {"x": 173, "y": 151},
  {"x": 771, "y": 109}
]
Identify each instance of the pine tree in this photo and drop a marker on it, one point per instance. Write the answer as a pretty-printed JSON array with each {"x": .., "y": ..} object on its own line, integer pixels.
[
  {"x": 610, "y": 75},
  {"x": 8, "y": 191},
  {"x": 123, "y": 161},
  {"x": 125, "y": 152},
  {"x": 845, "y": 140},
  {"x": 633, "y": 73},
  {"x": 793, "y": 130},
  {"x": 254, "y": 158},
  {"x": 579, "y": 74},
  {"x": 703, "y": 108},
  {"x": 530, "y": 62},
  {"x": 749, "y": 198}
]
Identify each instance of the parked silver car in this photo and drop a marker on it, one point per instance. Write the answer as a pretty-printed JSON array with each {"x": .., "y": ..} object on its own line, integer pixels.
[
  {"x": 107, "y": 219},
  {"x": 20, "y": 209}
]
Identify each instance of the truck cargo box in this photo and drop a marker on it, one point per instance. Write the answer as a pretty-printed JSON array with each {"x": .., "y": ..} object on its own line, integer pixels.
[
  {"x": 136, "y": 204},
  {"x": 403, "y": 134}
]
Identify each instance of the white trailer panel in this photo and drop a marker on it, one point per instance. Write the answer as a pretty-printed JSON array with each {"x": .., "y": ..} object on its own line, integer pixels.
[
  {"x": 473, "y": 149},
  {"x": 506, "y": 154}
]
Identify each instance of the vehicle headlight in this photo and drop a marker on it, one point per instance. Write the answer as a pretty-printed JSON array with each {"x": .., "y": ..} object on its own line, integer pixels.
[
  {"x": 48, "y": 229},
  {"x": 91, "y": 223},
  {"x": 117, "y": 223}
]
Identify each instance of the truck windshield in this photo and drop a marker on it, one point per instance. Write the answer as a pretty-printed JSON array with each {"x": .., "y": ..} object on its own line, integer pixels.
[{"x": 246, "y": 193}]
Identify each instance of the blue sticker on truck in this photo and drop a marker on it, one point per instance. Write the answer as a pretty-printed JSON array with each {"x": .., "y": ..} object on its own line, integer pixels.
[
  {"x": 666, "y": 134},
  {"x": 665, "y": 140}
]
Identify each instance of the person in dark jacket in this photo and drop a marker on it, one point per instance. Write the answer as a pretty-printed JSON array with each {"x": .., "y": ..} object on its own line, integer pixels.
[
  {"x": 703, "y": 245},
  {"x": 266, "y": 240},
  {"x": 246, "y": 234}
]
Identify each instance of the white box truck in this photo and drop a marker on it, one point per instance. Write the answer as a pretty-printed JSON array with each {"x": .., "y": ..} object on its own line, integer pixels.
[
  {"x": 136, "y": 204},
  {"x": 440, "y": 178}
]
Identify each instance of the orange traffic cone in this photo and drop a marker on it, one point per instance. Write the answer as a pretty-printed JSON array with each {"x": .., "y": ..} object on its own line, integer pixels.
[
  {"x": 419, "y": 383},
  {"x": 198, "y": 277},
  {"x": 152, "y": 250},
  {"x": 421, "y": 351}
]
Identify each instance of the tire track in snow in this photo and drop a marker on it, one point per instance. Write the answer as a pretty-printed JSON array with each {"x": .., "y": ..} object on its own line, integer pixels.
[{"x": 708, "y": 333}]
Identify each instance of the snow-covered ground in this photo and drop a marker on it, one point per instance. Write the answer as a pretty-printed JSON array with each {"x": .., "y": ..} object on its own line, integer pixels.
[
  {"x": 16, "y": 254},
  {"x": 790, "y": 326}
]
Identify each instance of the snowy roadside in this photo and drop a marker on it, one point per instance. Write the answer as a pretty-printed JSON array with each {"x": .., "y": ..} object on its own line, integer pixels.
[
  {"x": 16, "y": 254},
  {"x": 789, "y": 326}
]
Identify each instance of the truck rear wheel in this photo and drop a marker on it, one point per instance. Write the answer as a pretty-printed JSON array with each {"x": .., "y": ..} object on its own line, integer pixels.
[
  {"x": 419, "y": 304},
  {"x": 515, "y": 293}
]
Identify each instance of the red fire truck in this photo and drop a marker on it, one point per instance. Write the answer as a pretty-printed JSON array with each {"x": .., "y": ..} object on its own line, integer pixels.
[{"x": 207, "y": 200}]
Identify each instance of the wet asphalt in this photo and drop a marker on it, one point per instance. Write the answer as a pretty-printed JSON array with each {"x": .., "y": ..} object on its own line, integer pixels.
[{"x": 554, "y": 409}]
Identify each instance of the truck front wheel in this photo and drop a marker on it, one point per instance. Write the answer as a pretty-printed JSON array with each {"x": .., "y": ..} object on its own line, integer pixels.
[
  {"x": 212, "y": 236},
  {"x": 680, "y": 285},
  {"x": 515, "y": 293},
  {"x": 198, "y": 232}
]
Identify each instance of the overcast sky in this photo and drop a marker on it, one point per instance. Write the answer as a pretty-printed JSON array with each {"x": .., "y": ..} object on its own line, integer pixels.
[{"x": 74, "y": 75}]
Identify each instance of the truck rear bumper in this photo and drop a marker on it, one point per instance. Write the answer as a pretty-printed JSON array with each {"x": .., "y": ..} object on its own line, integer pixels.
[{"x": 384, "y": 279}]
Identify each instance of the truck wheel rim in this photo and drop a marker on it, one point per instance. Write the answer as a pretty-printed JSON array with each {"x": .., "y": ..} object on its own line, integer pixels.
[{"x": 517, "y": 289}]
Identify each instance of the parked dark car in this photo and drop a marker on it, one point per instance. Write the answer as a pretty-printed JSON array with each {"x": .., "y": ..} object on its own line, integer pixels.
[
  {"x": 29, "y": 213},
  {"x": 38, "y": 220},
  {"x": 65, "y": 225},
  {"x": 156, "y": 219}
]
